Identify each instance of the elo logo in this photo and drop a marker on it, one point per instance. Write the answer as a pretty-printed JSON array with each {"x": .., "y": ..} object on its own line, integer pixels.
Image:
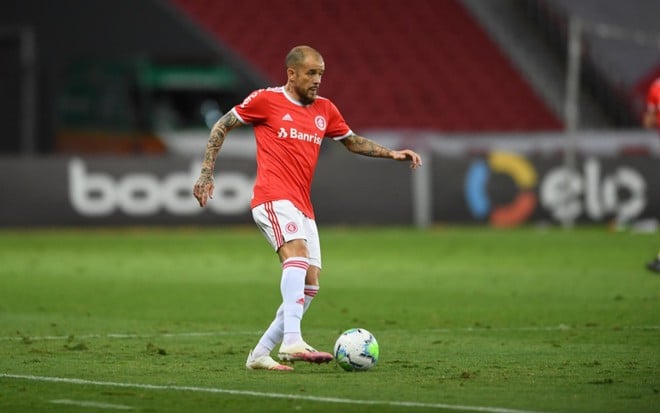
[{"x": 522, "y": 174}]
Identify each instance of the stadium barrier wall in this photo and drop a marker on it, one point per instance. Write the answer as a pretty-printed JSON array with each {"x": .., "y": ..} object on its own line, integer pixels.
[{"x": 499, "y": 188}]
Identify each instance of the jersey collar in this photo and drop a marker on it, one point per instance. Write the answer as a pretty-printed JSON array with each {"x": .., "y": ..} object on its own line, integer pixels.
[{"x": 291, "y": 99}]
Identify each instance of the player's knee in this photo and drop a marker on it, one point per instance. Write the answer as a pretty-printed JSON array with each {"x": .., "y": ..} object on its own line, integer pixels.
[
  {"x": 293, "y": 248},
  {"x": 312, "y": 277}
]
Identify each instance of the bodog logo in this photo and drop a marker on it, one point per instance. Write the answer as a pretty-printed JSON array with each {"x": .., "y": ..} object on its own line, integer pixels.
[{"x": 523, "y": 175}]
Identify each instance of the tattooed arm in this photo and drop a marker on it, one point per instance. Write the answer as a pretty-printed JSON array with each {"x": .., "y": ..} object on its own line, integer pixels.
[
  {"x": 204, "y": 186},
  {"x": 363, "y": 146}
]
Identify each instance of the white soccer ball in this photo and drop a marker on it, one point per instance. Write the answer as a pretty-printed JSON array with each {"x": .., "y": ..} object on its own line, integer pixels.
[{"x": 356, "y": 350}]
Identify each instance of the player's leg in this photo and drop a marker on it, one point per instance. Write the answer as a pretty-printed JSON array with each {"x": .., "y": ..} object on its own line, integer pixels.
[
  {"x": 259, "y": 357},
  {"x": 311, "y": 285},
  {"x": 275, "y": 332},
  {"x": 284, "y": 227},
  {"x": 278, "y": 222},
  {"x": 314, "y": 271},
  {"x": 294, "y": 348},
  {"x": 295, "y": 264},
  {"x": 311, "y": 249},
  {"x": 654, "y": 265},
  {"x": 274, "y": 335}
]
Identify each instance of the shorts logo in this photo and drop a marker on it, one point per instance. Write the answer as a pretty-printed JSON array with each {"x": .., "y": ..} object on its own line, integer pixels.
[
  {"x": 320, "y": 122},
  {"x": 291, "y": 228}
]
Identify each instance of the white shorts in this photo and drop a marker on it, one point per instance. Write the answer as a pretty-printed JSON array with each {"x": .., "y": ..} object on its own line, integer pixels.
[{"x": 280, "y": 222}]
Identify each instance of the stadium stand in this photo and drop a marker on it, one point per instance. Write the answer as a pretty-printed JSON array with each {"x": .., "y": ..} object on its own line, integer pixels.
[
  {"x": 508, "y": 24},
  {"x": 620, "y": 58},
  {"x": 427, "y": 67}
]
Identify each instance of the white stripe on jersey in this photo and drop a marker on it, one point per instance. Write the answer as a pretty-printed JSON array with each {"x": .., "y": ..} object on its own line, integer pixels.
[{"x": 240, "y": 119}]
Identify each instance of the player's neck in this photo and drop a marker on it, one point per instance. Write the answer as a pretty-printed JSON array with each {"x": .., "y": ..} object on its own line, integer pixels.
[{"x": 289, "y": 90}]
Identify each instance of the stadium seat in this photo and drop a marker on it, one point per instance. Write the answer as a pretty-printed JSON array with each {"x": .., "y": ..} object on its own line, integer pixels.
[{"x": 423, "y": 65}]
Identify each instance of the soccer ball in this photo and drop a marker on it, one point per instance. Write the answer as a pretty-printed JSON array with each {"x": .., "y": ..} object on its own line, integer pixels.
[{"x": 356, "y": 350}]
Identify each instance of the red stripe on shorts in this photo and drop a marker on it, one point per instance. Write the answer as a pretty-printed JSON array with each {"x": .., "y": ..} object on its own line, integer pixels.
[{"x": 272, "y": 217}]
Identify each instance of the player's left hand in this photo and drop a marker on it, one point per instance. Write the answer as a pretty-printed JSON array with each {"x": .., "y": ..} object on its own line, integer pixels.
[{"x": 407, "y": 154}]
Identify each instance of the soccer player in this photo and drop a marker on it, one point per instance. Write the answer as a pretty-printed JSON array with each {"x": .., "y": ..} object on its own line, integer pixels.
[
  {"x": 290, "y": 122},
  {"x": 652, "y": 120}
]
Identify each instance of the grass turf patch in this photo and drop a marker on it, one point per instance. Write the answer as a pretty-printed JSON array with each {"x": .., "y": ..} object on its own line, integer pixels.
[{"x": 526, "y": 319}]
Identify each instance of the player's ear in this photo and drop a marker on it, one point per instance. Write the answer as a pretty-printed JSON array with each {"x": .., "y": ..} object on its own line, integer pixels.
[{"x": 290, "y": 73}]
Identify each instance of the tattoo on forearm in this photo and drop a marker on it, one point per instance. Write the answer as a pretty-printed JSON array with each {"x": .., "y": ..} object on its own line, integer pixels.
[
  {"x": 218, "y": 134},
  {"x": 364, "y": 146}
]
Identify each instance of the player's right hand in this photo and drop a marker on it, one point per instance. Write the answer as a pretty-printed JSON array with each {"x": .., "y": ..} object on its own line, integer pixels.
[{"x": 203, "y": 190}]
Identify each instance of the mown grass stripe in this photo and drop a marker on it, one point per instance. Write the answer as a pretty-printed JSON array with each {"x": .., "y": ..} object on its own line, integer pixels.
[
  {"x": 98, "y": 405},
  {"x": 133, "y": 336},
  {"x": 560, "y": 327}
]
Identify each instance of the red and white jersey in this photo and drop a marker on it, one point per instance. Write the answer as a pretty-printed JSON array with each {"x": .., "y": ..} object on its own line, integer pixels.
[
  {"x": 653, "y": 100},
  {"x": 289, "y": 136}
]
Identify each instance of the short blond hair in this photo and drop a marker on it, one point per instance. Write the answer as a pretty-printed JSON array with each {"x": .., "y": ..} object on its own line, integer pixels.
[{"x": 298, "y": 54}]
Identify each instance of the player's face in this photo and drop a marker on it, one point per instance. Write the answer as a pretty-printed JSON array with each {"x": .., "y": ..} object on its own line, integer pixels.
[{"x": 306, "y": 79}]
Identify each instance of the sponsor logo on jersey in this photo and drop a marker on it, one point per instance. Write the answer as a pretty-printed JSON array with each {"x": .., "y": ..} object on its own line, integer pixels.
[
  {"x": 293, "y": 133},
  {"x": 287, "y": 117},
  {"x": 307, "y": 137}
]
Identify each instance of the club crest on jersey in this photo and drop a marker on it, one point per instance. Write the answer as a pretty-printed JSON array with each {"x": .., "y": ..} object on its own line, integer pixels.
[{"x": 320, "y": 122}]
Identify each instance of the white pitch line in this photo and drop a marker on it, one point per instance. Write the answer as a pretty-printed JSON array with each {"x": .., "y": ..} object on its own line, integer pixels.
[
  {"x": 92, "y": 404},
  {"x": 336, "y": 400}
]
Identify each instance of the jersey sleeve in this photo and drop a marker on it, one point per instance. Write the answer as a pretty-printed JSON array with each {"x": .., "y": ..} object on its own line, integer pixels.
[
  {"x": 253, "y": 109},
  {"x": 337, "y": 127},
  {"x": 653, "y": 95}
]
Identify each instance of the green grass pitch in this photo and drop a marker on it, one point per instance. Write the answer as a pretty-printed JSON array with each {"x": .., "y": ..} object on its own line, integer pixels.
[{"x": 468, "y": 319}]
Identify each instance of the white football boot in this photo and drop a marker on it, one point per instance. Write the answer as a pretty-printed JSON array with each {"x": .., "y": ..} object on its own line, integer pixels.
[
  {"x": 265, "y": 362},
  {"x": 302, "y": 351}
]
